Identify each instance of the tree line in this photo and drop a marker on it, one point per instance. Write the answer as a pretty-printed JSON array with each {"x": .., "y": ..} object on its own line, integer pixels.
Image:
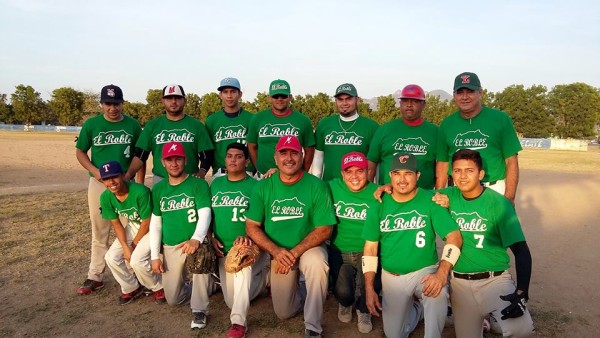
[{"x": 570, "y": 110}]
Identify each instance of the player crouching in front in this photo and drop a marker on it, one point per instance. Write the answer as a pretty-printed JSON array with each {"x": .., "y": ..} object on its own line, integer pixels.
[
  {"x": 128, "y": 203},
  {"x": 481, "y": 283},
  {"x": 406, "y": 224},
  {"x": 179, "y": 223}
]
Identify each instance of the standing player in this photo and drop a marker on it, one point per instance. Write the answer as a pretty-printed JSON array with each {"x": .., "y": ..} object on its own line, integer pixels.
[
  {"x": 489, "y": 131},
  {"x": 339, "y": 135},
  {"x": 481, "y": 283},
  {"x": 179, "y": 223},
  {"x": 110, "y": 136},
  {"x": 410, "y": 134},
  {"x": 406, "y": 224},
  {"x": 174, "y": 126},
  {"x": 353, "y": 200},
  {"x": 132, "y": 202},
  {"x": 230, "y": 197},
  {"x": 296, "y": 211},
  {"x": 268, "y": 126},
  {"x": 229, "y": 124}
]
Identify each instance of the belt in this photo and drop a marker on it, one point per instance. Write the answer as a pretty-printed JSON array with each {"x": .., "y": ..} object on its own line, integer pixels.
[
  {"x": 477, "y": 275},
  {"x": 488, "y": 184}
]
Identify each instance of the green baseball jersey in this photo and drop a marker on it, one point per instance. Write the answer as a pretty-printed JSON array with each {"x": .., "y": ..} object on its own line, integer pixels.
[
  {"x": 225, "y": 130},
  {"x": 336, "y": 138},
  {"x": 178, "y": 205},
  {"x": 397, "y": 137},
  {"x": 406, "y": 231},
  {"x": 266, "y": 129},
  {"x": 351, "y": 209},
  {"x": 109, "y": 141},
  {"x": 289, "y": 212},
  {"x": 488, "y": 224},
  {"x": 136, "y": 207},
  {"x": 491, "y": 132},
  {"x": 190, "y": 132},
  {"x": 230, "y": 200}
]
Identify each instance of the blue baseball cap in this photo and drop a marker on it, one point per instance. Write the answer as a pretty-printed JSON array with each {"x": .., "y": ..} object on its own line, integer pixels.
[
  {"x": 110, "y": 169},
  {"x": 229, "y": 82}
]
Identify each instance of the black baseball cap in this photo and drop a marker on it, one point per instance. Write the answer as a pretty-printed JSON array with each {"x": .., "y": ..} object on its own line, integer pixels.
[{"x": 111, "y": 94}]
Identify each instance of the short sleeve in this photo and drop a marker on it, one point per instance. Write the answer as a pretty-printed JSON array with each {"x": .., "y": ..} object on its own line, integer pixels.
[
  {"x": 256, "y": 211},
  {"x": 108, "y": 212},
  {"x": 371, "y": 228}
]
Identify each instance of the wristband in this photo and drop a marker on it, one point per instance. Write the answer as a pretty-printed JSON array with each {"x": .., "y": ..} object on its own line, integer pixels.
[
  {"x": 369, "y": 263},
  {"x": 450, "y": 253}
]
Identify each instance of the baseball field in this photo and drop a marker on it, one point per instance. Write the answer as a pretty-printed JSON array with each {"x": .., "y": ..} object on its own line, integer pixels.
[{"x": 46, "y": 238}]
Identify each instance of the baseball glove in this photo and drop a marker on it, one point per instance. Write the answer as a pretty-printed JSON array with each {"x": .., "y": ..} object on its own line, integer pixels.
[
  {"x": 241, "y": 256},
  {"x": 204, "y": 260}
]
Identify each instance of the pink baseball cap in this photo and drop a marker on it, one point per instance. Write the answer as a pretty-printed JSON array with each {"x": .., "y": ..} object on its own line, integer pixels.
[
  {"x": 171, "y": 149},
  {"x": 355, "y": 159},
  {"x": 290, "y": 142}
]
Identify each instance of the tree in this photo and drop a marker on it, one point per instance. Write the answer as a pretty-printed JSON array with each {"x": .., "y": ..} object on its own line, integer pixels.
[
  {"x": 154, "y": 106},
  {"x": 211, "y": 102},
  {"x": 528, "y": 108},
  {"x": 136, "y": 110},
  {"x": 386, "y": 109},
  {"x": 436, "y": 109},
  {"x": 6, "y": 115},
  {"x": 575, "y": 108},
  {"x": 28, "y": 106},
  {"x": 262, "y": 101},
  {"x": 317, "y": 107},
  {"x": 193, "y": 106},
  {"x": 67, "y": 105}
]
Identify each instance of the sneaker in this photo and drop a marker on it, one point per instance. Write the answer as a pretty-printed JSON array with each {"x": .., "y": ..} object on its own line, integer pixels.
[
  {"x": 147, "y": 292},
  {"x": 311, "y": 333},
  {"x": 344, "y": 313},
  {"x": 199, "y": 321},
  {"x": 127, "y": 298},
  {"x": 159, "y": 296},
  {"x": 236, "y": 331},
  {"x": 364, "y": 322},
  {"x": 89, "y": 286}
]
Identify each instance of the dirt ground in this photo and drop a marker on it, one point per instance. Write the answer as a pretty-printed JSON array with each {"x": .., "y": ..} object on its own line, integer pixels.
[{"x": 45, "y": 253}]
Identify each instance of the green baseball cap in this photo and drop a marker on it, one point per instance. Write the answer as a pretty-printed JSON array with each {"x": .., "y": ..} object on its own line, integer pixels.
[
  {"x": 467, "y": 80},
  {"x": 346, "y": 88},
  {"x": 279, "y": 87},
  {"x": 404, "y": 162}
]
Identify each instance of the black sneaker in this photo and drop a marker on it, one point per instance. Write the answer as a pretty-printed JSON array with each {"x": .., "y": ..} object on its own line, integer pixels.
[
  {"x": 127, "y": 298},
  {"x": 199, "y": 321},
  {"x": 311, "y": 333},
  {"x": 88, "y": 286}
]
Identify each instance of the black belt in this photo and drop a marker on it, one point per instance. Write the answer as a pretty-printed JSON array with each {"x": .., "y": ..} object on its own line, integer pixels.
[
  {"x": 478, "y": 275},
  {"x": 489, "y": 183}
]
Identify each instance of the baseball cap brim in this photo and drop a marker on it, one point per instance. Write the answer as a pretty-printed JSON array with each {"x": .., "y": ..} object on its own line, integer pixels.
[
  {"x": 112, "y": 101},
  {"x": 468, "y": 86}
]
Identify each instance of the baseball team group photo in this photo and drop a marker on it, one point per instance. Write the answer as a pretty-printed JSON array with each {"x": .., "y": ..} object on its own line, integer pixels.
[{"x": 270, "y": 224}]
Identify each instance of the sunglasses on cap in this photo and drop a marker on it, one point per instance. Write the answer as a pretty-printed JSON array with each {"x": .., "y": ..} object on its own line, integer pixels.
[{"x": 280, "y": 96}]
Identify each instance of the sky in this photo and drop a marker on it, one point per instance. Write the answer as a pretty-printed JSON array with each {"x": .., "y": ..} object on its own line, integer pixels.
[{"x": 379, "y": 46}]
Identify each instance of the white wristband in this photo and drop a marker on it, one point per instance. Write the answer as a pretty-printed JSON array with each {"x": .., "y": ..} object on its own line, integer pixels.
[
  {"x": 369, "y": 263},
  {"x": 450, "y": 253}
]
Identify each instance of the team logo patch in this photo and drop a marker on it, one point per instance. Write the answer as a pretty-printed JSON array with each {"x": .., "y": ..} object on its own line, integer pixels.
[
  {"x": 343, "y": 139},
  {"x": 237, "y": 132},
  {"x": 412, "y": 145},
  {"x": 177, "y": 202},
  {"x": 353, "y": 211},
  {"x": 230, "y": 199},
  {"x": 473, "y": 140},
  {"x": 110, "y": 92},
  {"x": 469, "y": 221},
  {"x": 278, "y": 86},
  {"x": 344, "y": 88},
  {"x": 466, "y": 79},
  {"x": 278, "y": 130},
  {"x": 403, "y": 221},
  {"x": 174, "y": 135},
  {"x": 291, "y": 208},
  {"x": 112, "y": 137}
]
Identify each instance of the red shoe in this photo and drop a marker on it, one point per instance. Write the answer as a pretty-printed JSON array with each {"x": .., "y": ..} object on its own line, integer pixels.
[
  {"x": 127, "y": 298},
  {"x": 237, "y": 331},
  {"x": 159, "y": 296},
  {"x": 89, "y": 286}
]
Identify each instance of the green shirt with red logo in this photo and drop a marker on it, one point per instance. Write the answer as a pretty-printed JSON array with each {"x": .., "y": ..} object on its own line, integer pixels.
[
  {"x": 136, "y": 207},
  {"x": 406, "y": 231},
  {"x": 488, "y": 224},
  {"x": 336, "y": 138},
  {"x": 491, "y": 133},
  {"x": 109, "y": 141},
  {"x": 225, "y": 130},
  {"x": 178, "y": 205},
  {"x": 266, "y": 129},
  {"x": 230, "y": 200},
  {"x": 190, "y": 132},
  {"x": 289, "y": 212},
  {"x": 351, "y": 209},
  {"x": 396, "y": 137}
]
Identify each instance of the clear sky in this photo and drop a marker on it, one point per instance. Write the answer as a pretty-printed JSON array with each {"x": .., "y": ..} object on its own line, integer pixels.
[{"x": 380, "y": 46}]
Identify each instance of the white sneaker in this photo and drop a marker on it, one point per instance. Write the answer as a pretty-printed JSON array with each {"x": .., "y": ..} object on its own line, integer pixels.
[
  {"x": 364, "y": 322},
  {"x": 199, "y": 321},
  {"x": 345, "y": 313}
]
